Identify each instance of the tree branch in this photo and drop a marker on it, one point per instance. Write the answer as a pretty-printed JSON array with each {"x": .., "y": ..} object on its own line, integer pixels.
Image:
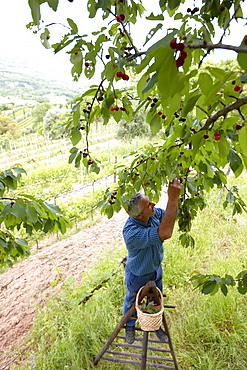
[
  {"x": 228, "y": 108},
  {"x": 210, "y": 46}
]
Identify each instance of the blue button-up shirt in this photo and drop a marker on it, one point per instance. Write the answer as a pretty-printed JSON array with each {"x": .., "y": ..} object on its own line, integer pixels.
[{"x": 145, "y": 249}]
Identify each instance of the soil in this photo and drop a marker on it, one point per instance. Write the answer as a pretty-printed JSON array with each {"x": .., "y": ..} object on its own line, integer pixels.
[{"x": 28, "y": 284}]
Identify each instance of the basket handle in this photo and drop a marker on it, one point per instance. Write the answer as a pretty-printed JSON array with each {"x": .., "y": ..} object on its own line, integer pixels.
[{"x": 159, "y": 291}]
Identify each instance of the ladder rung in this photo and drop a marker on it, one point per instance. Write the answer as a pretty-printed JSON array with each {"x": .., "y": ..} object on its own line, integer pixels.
[
  {"x": 150, "y": 364},
  {"x": 139, "y": 346},
  {"x": 140, "y": 339},
  {"x": 137, "y": 355}
]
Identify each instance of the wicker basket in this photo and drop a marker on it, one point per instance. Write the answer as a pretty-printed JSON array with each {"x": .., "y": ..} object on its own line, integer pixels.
[{"x": 150, "y": 321}]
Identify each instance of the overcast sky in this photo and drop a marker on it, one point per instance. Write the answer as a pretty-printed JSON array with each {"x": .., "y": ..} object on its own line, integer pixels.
[{"x": 17, "y": 42}]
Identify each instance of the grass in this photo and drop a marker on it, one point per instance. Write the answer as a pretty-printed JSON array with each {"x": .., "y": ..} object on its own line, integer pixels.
[{"x": 208, "y": 332}]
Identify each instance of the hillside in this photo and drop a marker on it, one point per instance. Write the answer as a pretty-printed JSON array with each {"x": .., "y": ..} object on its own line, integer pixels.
[{"x": 15, "y": 80}]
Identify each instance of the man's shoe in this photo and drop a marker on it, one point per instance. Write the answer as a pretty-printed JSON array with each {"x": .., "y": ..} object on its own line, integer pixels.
[
  {"x": 130, "y": 334},
  {"x": 161, "y": 335}
]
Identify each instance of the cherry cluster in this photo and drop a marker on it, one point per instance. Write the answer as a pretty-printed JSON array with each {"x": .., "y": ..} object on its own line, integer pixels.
[
  {"x": 216, "y": 136},
  {"x": 160, "y": 113},
  {"x": 85, "y": 155},
  {"x": 155, "y": 100},
  {"x": 123, "y": 75},
  {"x": 120, "y": 17},
  {"x": 193, "y": 11},
  {"x": 113, "y": 197},
  {"x": 179, "y": 46},
  {"x": 117, "y": 108},
  {"x": 87, "y": 110}
]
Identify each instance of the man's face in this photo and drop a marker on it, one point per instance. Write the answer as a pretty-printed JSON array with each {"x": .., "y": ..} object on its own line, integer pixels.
[{"x": 148, "y": 209}]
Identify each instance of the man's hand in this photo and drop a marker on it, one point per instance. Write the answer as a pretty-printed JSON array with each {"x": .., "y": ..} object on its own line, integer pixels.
[
  {"x": 174, "y": 189},
  {"x": 165, "y": 229}
]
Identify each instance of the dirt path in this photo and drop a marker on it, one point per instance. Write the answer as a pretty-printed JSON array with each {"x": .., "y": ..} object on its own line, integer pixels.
[{"x": 28, "y": 283}]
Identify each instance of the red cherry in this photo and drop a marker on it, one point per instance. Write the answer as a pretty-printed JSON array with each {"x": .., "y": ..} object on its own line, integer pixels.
[
  {"x": 159, "y": 113},
  {"x": 179, "y": 62},
  {"x": 86, "y": 64},
  {"x": 180, "y": 46},
  {"x": 183, "y": 54},
  {"x": 125, "y": 77},
  {"x": 239, "y": 126},
  {"x": 122, "y": 16},
  {"x": 120, "y": 74},
  {"x": 163, "y": 116},
  {"x": 237, "y": 88},
  {"x": 245, "y": 41},
  {"x": 173, "y": 44},
  {"x": 118, "y": 18},
  {"x": 205, "y": 136},
  {"x": 222, "y": 8},
  {"x": 112, "y": 109}
]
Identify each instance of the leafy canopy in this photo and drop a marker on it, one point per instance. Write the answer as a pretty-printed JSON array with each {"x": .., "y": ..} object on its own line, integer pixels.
[
  {"x": 23, "y": 212},
  {"x": 197, "y": 110}
]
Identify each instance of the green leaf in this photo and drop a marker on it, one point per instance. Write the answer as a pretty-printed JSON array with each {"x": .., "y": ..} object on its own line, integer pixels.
[
  {"x": 19, "y": 170},
  {"x": 208, "y": 287},
  {"x": 224, "y": 289},
  {"x": 52, "y": 208},
  {"x": 152, "y": 32},
  {"x": 72, "y": 25},
  {"x": 18, "y": 210},
  {"x": 235, "y": 162},
  {"x": 173, "y": 4},
  {"x": 153, "y": 80},
  {"x": 230, "y": 197},
  {"x": 168, "y": 77},
  {"x": 155, "y": 124},
  {"x": 53, "y": 4},
  {"x": 190, "y": 103},
  {"x": 205, "y": 82},
  {"x": 75, "y": 136},
  {"x": 242, "y": 57},
  {"x": 73, "y": 154},
  {"x": 153, "y": 17},
  {"x": 32, "y": 215},
  {"x": 35, "y": 10},
  {"x": 243, "y": 77},
  {"x": 243, "y": 140},
  {"x": 22, "y": 242}
]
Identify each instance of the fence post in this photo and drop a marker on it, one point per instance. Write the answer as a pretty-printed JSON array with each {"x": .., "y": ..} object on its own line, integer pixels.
[{"x": 115, "y": 173}]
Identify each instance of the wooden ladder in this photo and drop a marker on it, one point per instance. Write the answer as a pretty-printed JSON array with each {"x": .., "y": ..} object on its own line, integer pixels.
[{"x": 139, "y": 354}]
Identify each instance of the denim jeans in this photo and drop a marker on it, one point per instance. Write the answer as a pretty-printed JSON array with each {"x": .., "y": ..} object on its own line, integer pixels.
[{"x": 134, "y": 283}]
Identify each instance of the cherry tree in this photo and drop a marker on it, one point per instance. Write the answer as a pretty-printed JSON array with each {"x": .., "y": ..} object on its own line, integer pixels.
[{"x": 197, "y": 110}]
